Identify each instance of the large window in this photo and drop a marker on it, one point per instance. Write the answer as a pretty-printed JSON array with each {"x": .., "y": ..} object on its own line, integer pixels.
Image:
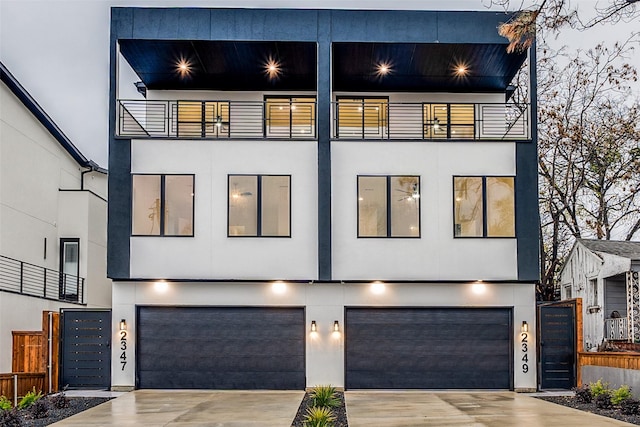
[
  {"x": 362, "y": 117},
  {"x": 290, "y": 117},
  {"x": 203, "y": 119},
  {"x": 388, "y": 206},
  {"x": 259, "y": 206},
  {"x": 163, "y": 205},
  {"x": 449, "y": 121},
  {"x": 484, "y": 206}
]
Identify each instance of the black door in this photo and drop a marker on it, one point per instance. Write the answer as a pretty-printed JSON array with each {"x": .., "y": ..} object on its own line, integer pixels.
[
  {"x": 557, "y": 347},
  {"x": 220, "y": 348},
  {"x": 429, "y": 348},
  {"x": 86, "y": 348}
]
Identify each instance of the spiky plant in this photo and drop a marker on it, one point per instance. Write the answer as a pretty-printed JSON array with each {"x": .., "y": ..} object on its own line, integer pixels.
[
  {"x": 325, "y": 396},
  {"x": 319, "y": 417}
]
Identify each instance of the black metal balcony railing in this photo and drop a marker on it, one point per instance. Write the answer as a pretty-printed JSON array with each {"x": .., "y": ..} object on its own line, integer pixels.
[
  {"x": 217, "y": 119},
  {"x": 363, "y": 119},
  {"x": 28, "y": 279},
  {"x": 352, "y": 119}
]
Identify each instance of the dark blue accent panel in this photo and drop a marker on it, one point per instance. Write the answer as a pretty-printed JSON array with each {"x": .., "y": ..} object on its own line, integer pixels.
[
  {"x": 417, "y": 26},
  {"x": 121, "y": 23},
  {"x": 119, "y": 207},
  {"x": 324, "y": 146},
  {"x": 264, "y": 24},
  {"x": 527, "y": 207}
]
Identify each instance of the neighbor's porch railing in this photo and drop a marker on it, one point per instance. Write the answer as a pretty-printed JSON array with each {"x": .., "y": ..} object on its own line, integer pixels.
[
  {"x": 352, "y": 119},
  {"x": 364, "y": 119},
  {"x": 615, "y": 329},
  {"x": 28, "y": 279}
]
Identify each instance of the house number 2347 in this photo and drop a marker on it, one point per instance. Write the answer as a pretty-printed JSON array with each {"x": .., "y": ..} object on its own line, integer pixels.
[
  {"x": 123, "y": 347},
  {"x": 525, "y": 349}
]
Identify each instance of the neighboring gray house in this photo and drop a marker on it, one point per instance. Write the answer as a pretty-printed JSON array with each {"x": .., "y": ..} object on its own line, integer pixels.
[{"x": 604, "y": 273}]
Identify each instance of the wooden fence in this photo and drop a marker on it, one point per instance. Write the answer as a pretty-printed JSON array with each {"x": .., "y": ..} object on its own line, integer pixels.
[
  {"x": 25, "y": 381},
  {"x": 610, "y": 360}
]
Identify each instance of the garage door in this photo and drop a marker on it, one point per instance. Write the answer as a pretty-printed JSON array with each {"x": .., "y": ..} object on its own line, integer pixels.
[
  {"x": 428, "y": 348},
  {"x": 220, "y": 348}
]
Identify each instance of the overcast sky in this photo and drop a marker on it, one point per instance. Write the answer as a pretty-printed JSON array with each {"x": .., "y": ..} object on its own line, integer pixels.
[{"x": 59, "y": 51}]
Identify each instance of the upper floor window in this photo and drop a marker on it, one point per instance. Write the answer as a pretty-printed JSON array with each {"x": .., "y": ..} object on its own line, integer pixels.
[
  {"x": 290, "y": 117},
  {"x": 362, "y": 117},
  {"x": 484, "y": 206},
  {"x": 388, "y": 206},
  {"x": 202, "y": 119},
  {"x": 259, "y": 205},
  {"x": 162, "y": 205},
  {"x": 449, "y": 121}
]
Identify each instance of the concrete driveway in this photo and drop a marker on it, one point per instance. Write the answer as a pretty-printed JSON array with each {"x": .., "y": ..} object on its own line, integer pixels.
[
  {"x": 364, "y": 408},
  {"x": 473, "y": 409}
]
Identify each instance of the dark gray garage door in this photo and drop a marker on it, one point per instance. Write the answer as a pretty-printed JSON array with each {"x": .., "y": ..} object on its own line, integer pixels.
[
  {"x": 220, "y": 348},
  {"x": 428, "y": 348}
]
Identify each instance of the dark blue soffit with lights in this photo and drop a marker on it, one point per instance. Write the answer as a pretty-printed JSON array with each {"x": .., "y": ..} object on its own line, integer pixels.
[
  {"x": 27, "y": 100},
  {"x": 227, "y": 49}
]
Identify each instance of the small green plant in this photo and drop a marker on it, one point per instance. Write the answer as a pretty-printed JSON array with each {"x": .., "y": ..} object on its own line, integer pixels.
[
  {"x": 5, "y": 404},
  {"x": 325, "y": 396},
  {"x": 598, "y": 388},
  {"x": 29, "y": 399},
  {"x": 621, "y": 394},
  {"x": 319, "y": 417}
]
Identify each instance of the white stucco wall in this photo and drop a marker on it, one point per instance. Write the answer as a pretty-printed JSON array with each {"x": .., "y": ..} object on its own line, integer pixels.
[
  {"x": 325, "y": 303},
  {"x": 35, "y": 172},
  {"x": 210, "y": 253}
]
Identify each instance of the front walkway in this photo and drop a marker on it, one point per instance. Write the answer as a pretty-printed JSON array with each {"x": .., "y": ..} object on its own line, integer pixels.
[{"x": 469, "y": 409}]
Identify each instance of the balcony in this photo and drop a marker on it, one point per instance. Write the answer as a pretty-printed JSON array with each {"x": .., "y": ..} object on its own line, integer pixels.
[
  {"x": 353, "y": 118},
  {"x": 28, "y": 279},
  {"x": 217, "y": 119}
]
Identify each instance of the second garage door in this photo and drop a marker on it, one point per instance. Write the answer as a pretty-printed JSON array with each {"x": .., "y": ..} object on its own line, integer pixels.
[
  {"x": 427, "y": 348},
  {"x": 220, "y": 348}
]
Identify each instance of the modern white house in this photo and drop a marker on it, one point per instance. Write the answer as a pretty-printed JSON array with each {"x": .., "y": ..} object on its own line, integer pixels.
[
  {"x": 304, "y": 197},
  {"x": 604, "y": 273},
  {"x": 53, "y": 213}
]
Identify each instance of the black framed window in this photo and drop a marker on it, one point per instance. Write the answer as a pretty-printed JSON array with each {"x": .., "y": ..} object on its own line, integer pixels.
[
  {"x": 289, "y": 117},
  {"x": 69, "y": 286},
  {"x": 388, "y": 206},
  {"x": 484, "y": 206},
  {"x": 362, "y": 117},
  {"x": 162, "y": 205},
  {"x": 259, "y": 206},
  {"x": 448, "y": 121}
]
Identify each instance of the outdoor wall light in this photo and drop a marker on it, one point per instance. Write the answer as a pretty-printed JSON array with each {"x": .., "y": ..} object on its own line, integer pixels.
[
  {"x": 123, "y": 325},
  {"x": 161, "y": 286},
  {"x": 478, "y": 288},
  {"x": 336, "y": 326},
  {"x": 377, "y": 288},
  {"x": 279, "y": 287},
  {"x": 525, "y": 326},
  {"x": 314, "y": 326}
]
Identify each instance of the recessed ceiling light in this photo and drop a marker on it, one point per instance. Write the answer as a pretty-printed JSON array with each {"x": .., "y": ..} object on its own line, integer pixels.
[
  {"x": 272, "y": 68},
  {"x": 183, "y": 67},
  {"x": 383, "y": 68},
  {"x": 461, "y": 69}
]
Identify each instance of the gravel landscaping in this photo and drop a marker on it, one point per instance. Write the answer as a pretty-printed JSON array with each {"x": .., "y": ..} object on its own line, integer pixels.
[
  {"x": 572, "y": 402},
  {"x": 340, "y": 412},
  {"x": 76, "y": 405}
]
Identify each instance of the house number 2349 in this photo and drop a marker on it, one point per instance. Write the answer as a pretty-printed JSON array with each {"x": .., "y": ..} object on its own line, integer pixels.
[
  {"x": 525, "y": 348},
  {"x": 123, "y": 347}
]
